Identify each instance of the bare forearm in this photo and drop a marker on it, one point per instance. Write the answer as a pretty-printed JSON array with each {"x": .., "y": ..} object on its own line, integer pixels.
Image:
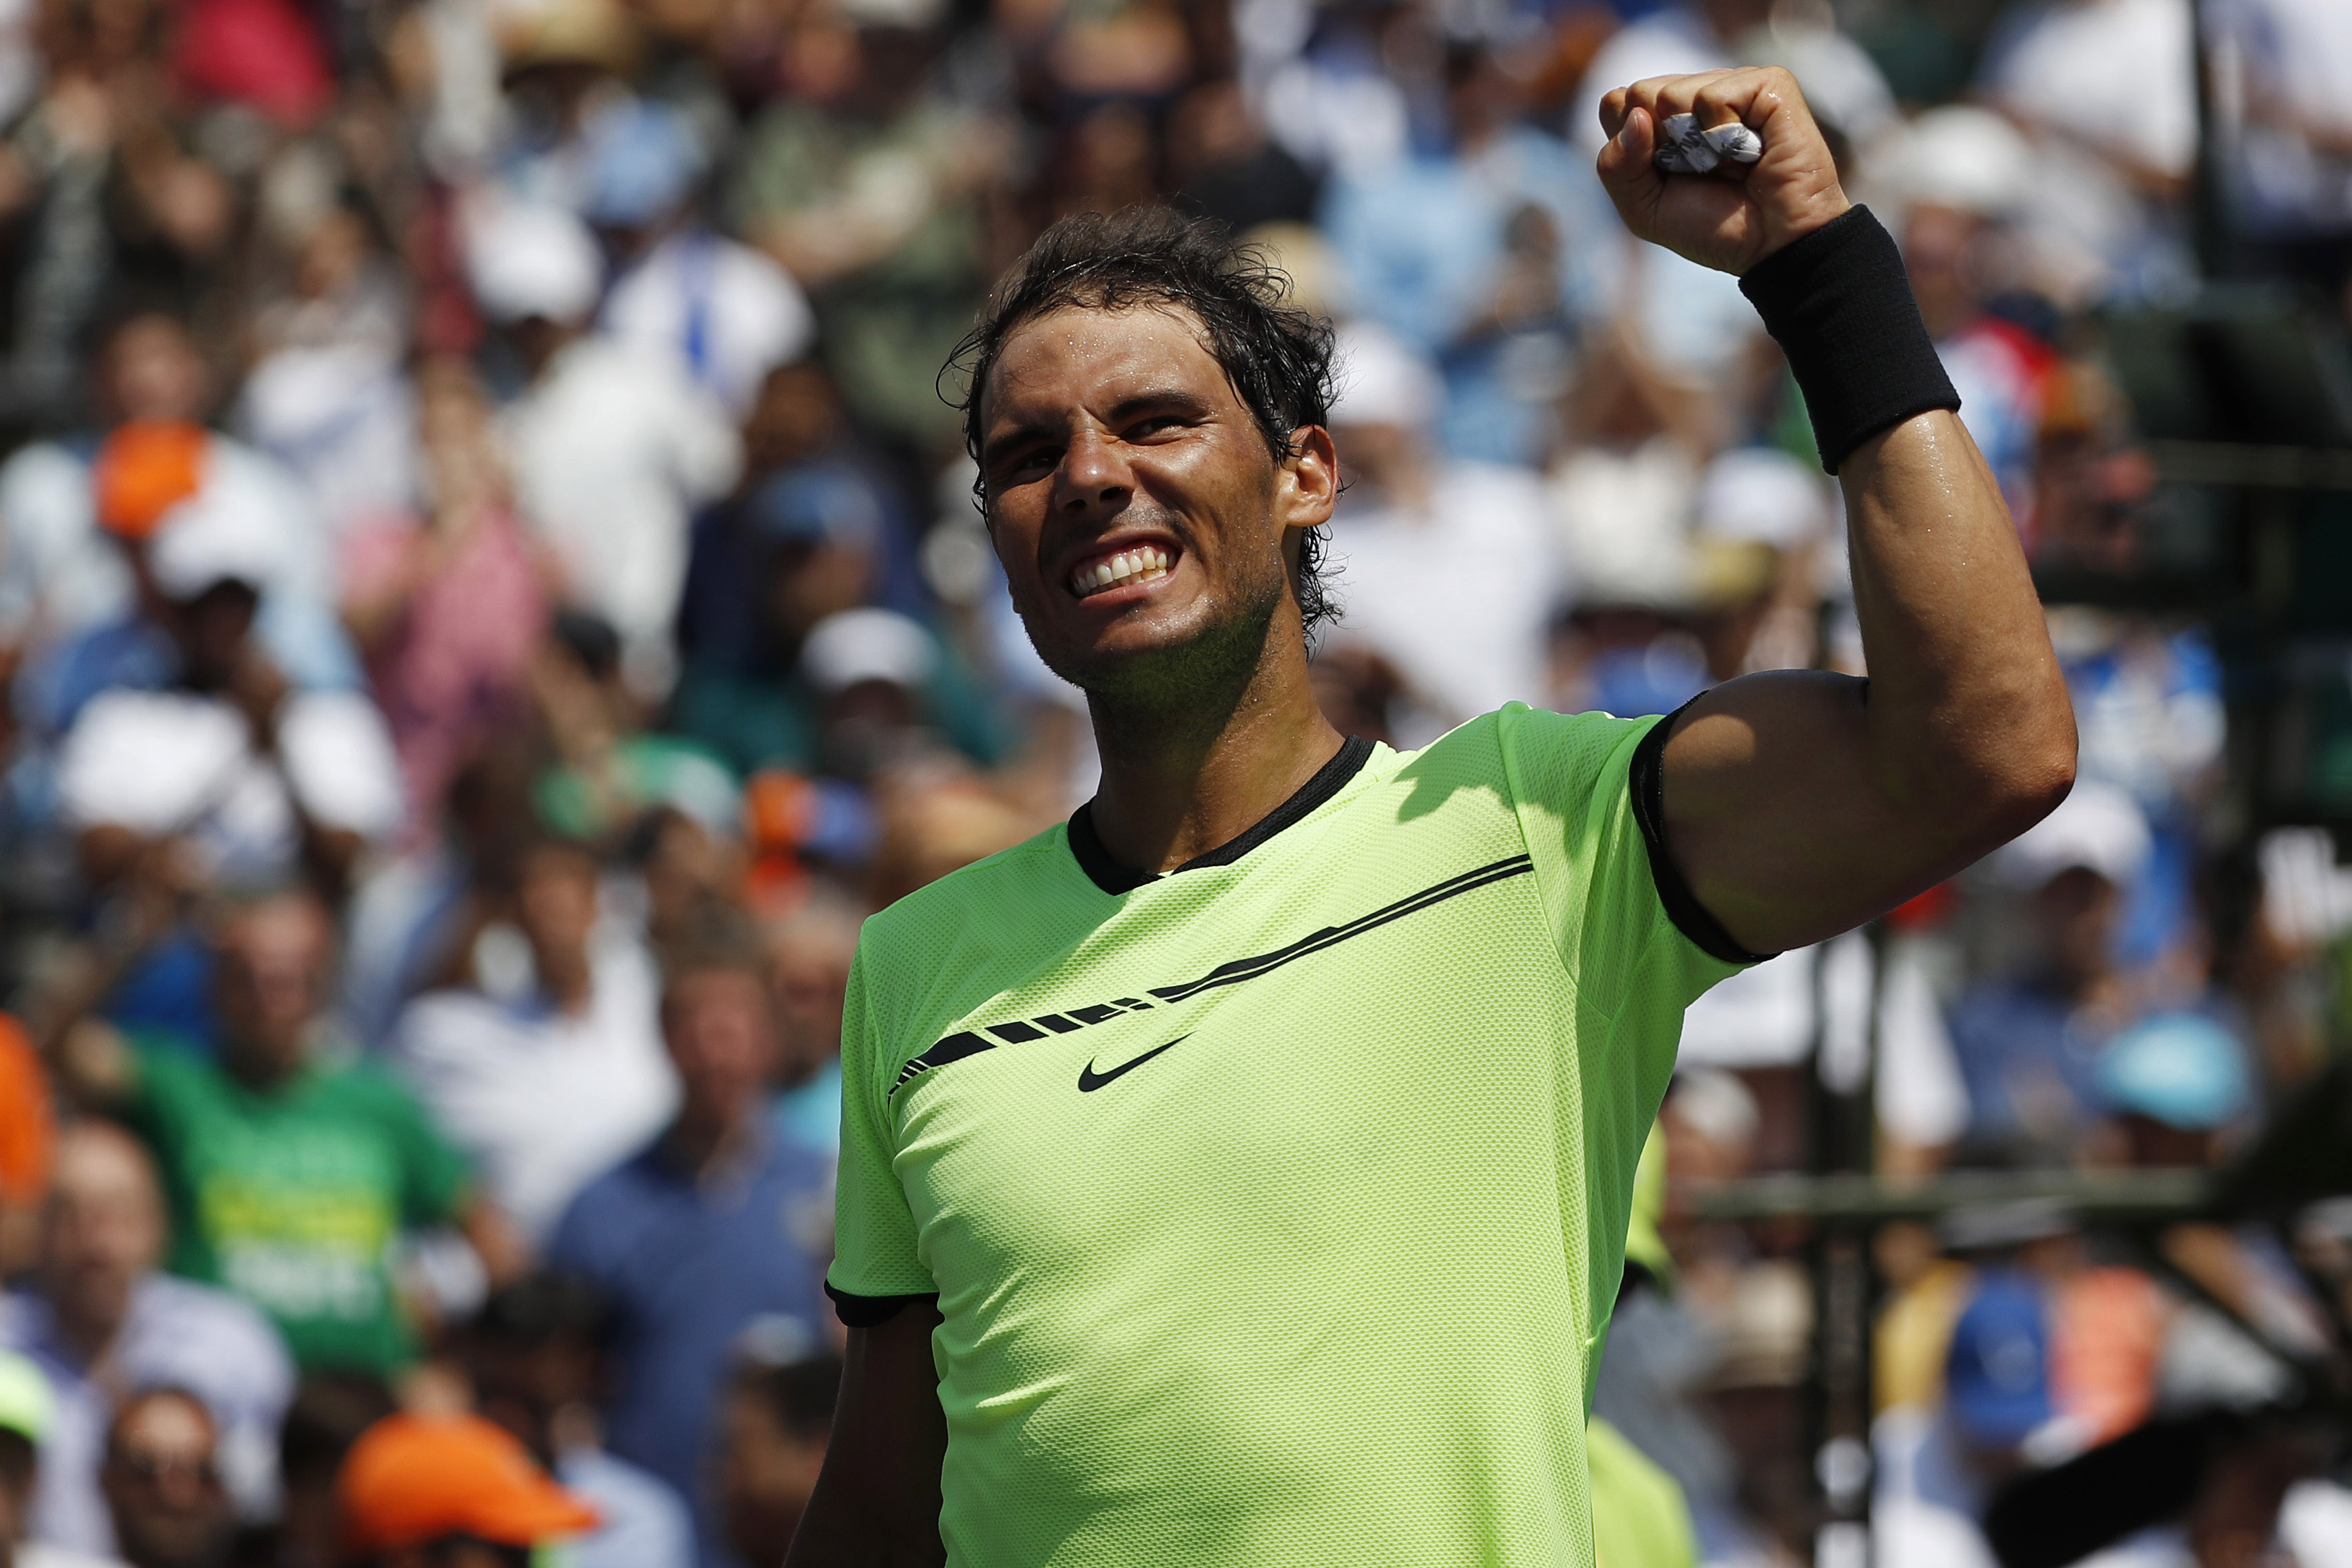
[
  {"x": 1968, "y": 726},
  {"x": 1799, "y": 803}
]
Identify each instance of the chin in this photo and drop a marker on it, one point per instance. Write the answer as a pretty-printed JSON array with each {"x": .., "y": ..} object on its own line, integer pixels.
[{"x": 1170, "y": 656}]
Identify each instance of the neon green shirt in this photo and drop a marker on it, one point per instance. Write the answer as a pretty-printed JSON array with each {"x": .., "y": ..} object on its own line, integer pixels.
[
  {"x": 1640, "y": 1519},
  {"x": 1274, "y": 1206}
]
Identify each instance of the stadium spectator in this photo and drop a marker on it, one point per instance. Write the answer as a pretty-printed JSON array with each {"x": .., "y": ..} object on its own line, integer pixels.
[
  {"x": 218, "y": 748},
  {"x": 65, "y": 503},
  {"x": 547, "y": 1079},
  {"x": 450, "y": 1492},
  {"x": 2028, "y": 1048},
  {"x": 532, "y": 1355},
  {"x": 613, "y": 447},
  {"x": 868, "y": 184},
  {"x": 1963, "y": 175},
  {"x": 809, "y": 953},
  {"x": 27, "y": 1136},
  {"x": 774, "y": 1429},
  {"x": 100, "y": 1318},
  {"x": 162, "y": 1482},
  {"x": 718, "y": 1229},
  {"x": 1476, "y": 258},
  {"x": 1451, "y": 561},
  {"x": 331, "y": 1411},
  {"x": 255, "y": 1147},
  {"x": 2107, "y": 88},
  {"x": 724, "y": 313},
  {"x": 2293, "y": 152},
  {"x": 26, "y": 1408},
  {"x": 448, "y": 609}
]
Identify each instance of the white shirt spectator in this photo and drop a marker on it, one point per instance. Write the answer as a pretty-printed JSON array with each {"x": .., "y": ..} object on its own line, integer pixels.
[
  {"x": 177, "y": 1334},
  {"x": 1772, "y": 1015},
  {"x": 2118, "y": 75},
  {"x": 542, "y": 1102},
  {"x": 40, "y": 1554},
  {"x": 724, "y": 313},
  {"x": 2292, "y": 58},
  {"x": 1624, "y": 521},
  {"x": 613, "y": 448},
  {"x": 60, "y": 574},
  {"x": 342, "y": 417},
  {"x": 161, "y": 762},
  {"x": 1456, "y": 595}
]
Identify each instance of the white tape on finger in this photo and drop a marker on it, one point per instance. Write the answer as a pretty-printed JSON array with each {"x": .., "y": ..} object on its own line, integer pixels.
[{"x": 1685, "y": 149}]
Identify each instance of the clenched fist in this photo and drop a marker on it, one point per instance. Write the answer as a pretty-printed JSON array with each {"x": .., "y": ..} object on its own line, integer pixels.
[{"x": 1735, "y": 217}]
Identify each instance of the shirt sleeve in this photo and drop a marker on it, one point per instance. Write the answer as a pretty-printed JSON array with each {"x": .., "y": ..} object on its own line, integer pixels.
[
  {"x": 875, "y": 1266},
  {"x": 1632, "y": 967}
]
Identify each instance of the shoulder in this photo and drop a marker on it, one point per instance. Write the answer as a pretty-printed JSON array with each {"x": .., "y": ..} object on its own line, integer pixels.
[
  {"x": 456, "y": 1025},
  {"x": 1530, "y": 746},
  {"x": 171, "y": 1065},
  {"x": 1029, "y": 870},
  {"x": 224, "y": 1335},
  {"x": 25, "y": 1320},
  {"x": 611, "y": 1198},
  {"x": 371, "y": 1090},
  {"x": 611, "y": 1232}
]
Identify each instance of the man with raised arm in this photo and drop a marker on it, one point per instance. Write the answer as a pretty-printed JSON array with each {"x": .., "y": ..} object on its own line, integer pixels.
[{"x": 1239, "y": 1175}]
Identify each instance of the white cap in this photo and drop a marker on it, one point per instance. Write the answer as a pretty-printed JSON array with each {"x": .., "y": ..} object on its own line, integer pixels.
[
  {"x": 1763, "y": 495},
  {"x": 1958, "y": 156},
  {"x": 222, "y": 533},
  {"x": 2098, "y": 827},
  {"x": 527, "y": 258},
  {"x": 1381, "y": 380},
  {"x": 868, "y": 644}
]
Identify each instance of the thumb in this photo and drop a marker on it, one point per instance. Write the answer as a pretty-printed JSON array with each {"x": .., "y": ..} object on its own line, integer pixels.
[{"x": 1629, "y": 169}]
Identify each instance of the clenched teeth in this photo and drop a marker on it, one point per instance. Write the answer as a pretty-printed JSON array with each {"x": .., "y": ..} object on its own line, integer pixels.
[{"x": 1142, "y": 564}]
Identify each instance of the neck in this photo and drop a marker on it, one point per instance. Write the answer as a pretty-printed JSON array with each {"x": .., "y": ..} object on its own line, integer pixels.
[
  {"x": 255, "y": 1070},
  {"x": 704, "y": 1140},
  {"x": 89, "y": 1328},
  {"x": 568, "y": 982},
  {"x": 1179, "y": 778}
]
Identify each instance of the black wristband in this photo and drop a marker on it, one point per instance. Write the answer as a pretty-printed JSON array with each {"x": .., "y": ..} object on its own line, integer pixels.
[{"x": 1840, "y": 306}]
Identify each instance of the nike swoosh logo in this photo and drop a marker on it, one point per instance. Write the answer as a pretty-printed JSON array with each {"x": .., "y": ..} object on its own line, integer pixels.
[{"x": 1090, "y": 1080}]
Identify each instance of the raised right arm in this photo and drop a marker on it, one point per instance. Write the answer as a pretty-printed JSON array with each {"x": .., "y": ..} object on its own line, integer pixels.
[{"x": 877, "y": 1503}]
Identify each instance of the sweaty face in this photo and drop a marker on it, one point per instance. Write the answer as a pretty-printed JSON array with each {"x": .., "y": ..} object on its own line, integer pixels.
[{"x": 1143, "y": 522}]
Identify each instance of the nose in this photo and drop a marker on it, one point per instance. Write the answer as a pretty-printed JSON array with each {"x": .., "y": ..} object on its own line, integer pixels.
[{"x": 1093, "y": 475}]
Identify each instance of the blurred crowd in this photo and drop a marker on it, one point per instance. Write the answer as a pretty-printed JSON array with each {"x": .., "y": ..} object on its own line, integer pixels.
[{"x": 490, "y": 597}]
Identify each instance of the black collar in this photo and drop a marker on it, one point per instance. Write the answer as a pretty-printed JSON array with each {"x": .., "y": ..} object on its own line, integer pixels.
[{"x": 1112, "y": 877}]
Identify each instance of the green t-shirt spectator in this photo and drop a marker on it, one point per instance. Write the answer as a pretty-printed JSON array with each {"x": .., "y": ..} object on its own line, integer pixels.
[{"x": 292, "y": 1196}]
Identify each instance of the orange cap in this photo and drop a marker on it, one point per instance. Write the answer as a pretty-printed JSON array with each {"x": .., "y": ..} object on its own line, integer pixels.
[
  {"x": 411, "y": 1480},
  {"x": 144, "y": 469}
]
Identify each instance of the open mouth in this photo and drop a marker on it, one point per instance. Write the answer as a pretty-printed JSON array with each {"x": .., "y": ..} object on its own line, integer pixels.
[{"x": 1144, "y": 563}]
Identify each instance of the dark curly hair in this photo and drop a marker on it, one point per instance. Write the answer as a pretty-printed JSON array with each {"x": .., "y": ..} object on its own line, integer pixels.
[{"x": 1277, "y": 356}]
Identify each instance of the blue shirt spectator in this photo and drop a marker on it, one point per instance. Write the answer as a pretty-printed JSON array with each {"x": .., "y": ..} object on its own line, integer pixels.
[{"x": 718, "y": 1231}]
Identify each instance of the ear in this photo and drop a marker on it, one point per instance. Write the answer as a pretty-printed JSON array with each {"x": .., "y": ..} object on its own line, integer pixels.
[{"x": 1306, "y": 482}]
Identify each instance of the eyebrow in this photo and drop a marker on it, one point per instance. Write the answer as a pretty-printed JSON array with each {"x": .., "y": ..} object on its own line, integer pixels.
[{"x": 997, "y": 447}]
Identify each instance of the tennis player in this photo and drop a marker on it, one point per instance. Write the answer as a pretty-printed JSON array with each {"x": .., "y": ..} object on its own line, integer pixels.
[{"x": 1239, "y": 1173}]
